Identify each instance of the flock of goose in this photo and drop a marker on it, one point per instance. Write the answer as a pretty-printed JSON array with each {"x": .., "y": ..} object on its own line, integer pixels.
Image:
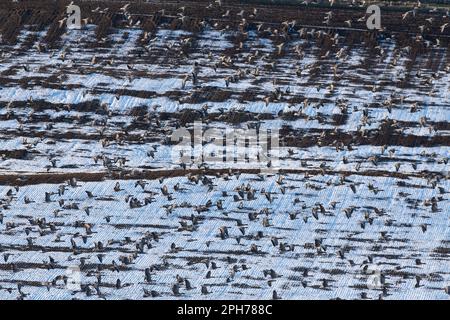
[{"x": 356, "y": 206}]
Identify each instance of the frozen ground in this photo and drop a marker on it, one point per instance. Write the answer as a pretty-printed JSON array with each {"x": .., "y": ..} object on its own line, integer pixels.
[
  {"x": 357, "y": 207},
  {"x": 382, "y": 234}
]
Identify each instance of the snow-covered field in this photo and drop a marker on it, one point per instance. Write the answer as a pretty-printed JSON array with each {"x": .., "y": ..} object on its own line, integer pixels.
[
  {"x": 357, "y": 205},
  {"x": 382, "y": 234}
]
